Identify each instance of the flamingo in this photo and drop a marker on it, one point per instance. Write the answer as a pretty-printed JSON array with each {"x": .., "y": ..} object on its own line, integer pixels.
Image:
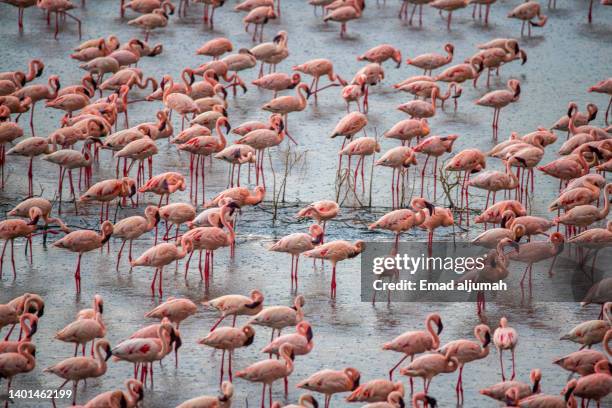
[
  {"x": 362, "y": 147},
  {"x": 228, "y": 339},
  {"x": 301, "y": 340},
  {"x": 400, "y": 159},
  {"x": 215, "y": 47},
  {"x": 318, "y": 68},
  {"x": 345, "y": 13},
  {"x": 82, "y": 331},
  {"x": 234, "y": 305},
  {"x": 174, "y": 309},
  {"x": 431, "y": 365},
  {"x": 434, "y": 146},
  {"x": 59, "y": 7},
  {"x": 237, "y": 154},
  {"x": 585, "y": 215},
  {"x": 505, "y": 338},
  {"x": 9, "y": 131},
  {"x": 28, "y": 326},
  {"x": 158, "y": 18},
  {"x": 467, "y": 351},
  {"x": 375, "y": 391},
  {"x": 210, "y": 239},
  {"x": 259, "y": 16},
  {"x": 431, "y": 61},
  {"x": 604, "y": 87},
  {"x": 284, "y": 105},
  {"x": 268, "y": 371},
  {"x": 279, "y": 317},
  {"x": 159, "y": 256},
  {"x": 262, "y": 139},
  {"x": 12, "y": 311},
  {"x": 581, "y": 362},
  {"x": 77, "y": 369},
  {"x": 382, "y": 53},
  {"x": 164, "y": 184},
  {"x": 107, "y": 190},
  {"x": 499, "y": 99},
  {"x": 240, "y": 195},
  {"x": 145, "y": 351},
  {"x": 402, "y": 220},
  {"x": 131, "y": 228},
  {"x": 222, "y": 401},
  {"x": 175, "y": 101},
  {"x": 37, "y": 93},
  {"x": 416, "y": 342},
  {"x": 83, "y": 241},
  {"x": 498, "y": 391},
  {"x": 449, "y": 6},
  {"x": 68, "y": 159},
  {"x": 118, "y": 398},
  {"x": 31, "y": 147},
  {"x": 594, "y": 386},
  {"x": 533, "y": 252},
  {"x": 592, "y": 331},
  {"x": 336, "y": 251},
  {"x": 297, "y": 243},
  {"x": 21, "y": 362},
  {"x": 177, "y": 214},
  {"x": 467, "y": 161},
  {"x": 408, "y": 129},
  {"x": 15, "y": 228},
  {"x": 329, "y": 382},
  {"x": 527, "y": 11}
]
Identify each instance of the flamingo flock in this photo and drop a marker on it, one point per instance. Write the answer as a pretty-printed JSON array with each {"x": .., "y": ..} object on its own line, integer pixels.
[{"x": 137, "y": 171}]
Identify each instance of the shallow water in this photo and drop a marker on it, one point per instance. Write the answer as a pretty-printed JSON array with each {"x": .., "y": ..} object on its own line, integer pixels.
[{"x": 565, "y": 57}]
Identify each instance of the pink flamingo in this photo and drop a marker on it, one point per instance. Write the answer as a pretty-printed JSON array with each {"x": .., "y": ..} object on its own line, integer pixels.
[
  {"x": 268, "y": 371},
  {"x": 259, "y": 16},
  {"x": 585, "y": 215},
  {"x": 352, "y": 10},
  {"x": 362, "y": 147},
  {"x": 228, "y": 339},
  {"x": 21, "y": 362},
  {"x": 329, "y": 382},
  {"x": 318, "y": 68},
  {"x": 279, "y": 317},
  {"x": 594, "y": 386},
  {"x": 449, "y": 6},
  {"x": 210, "y": 239},
  {"x": 215, "y": 47},
  {"x": 60, "y": 8},
  {"x": 9, "y": 131},
  {"x": 11, "y": 312},
  {"x": 82, "y": 331},
  {"x": 159, "y": 256},
  {"x": 68, "y": 159},
  {"x": 594, "y": 239},
  {"x": 498, "y": 391},
  {"x": 138, "y": 151},
  {"x": 408, "y": 129},
  {"x": 15, "y": 228},
  {"x": 277, "y": 81},
  {"x": 114, "y": 399},
  {"x": 177, "y": 214},
  {"x": 467, "y": 351},
  {"x": 382, "y": 53},
  {"x": 336, "y": 251},
  {"x": 84, "y": 241},
  {"x": 402, "y": 220},
  {"x": 234, "y": 305},
  {"x": 203, "y": 146},
  {"x": 429, "y": 62},
  {"x": 496, "y": 212},
  {"x": 505, "y": 338},
  {"x": 467, "y": 161},
  {"x": 320, "y": 211},
  {"x": 400, "y": 159},
  {"x": 237, "y": 155},
  {"x": 28, "y": 326},
  {"x": 592, "y": 331},
  {"x": 240, "y": 195},
  {"x": 106, "y": 191},
  {"x": 31, "y": 147},
  {"x": 499, "y": 99},
  {"x": 262, "y": 139},
  {"x": 534, "y": 252},
  {"x": 604, "y": 87},
  {"x": 77, "y": 369},
  {"x": 494, "y": 181},
  {"x": 415, "y": 342},
  {"x": 222, "y": 401},
  {"x": 297, "y": 243},
  {"x": 434, "y": 146},
  {"x": 527, "y": 11},
  {"x": 354, "y": 92},
  {"x": 441, "y": 217},
  {"x": 145, "y": 351},
  {"x": 164, "y": 184},
  {"x": 131, "y": 228},
  {"x": 490, "y": 239},
  {"x": 581, "y": 362},
  {"x": 283, "y": 105},
  {"x": 301, "y": 340},
  {"x": 430, "y": 365},
  {"x": 377, "y": 390},
  {"x": 174, "y": 309}
]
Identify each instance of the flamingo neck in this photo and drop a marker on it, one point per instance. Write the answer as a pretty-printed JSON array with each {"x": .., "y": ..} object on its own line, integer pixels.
[
  {"x": 231, "y": 234},
  {"x": 432, "y": 332},
  {"x": 222, "y": 140}
]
